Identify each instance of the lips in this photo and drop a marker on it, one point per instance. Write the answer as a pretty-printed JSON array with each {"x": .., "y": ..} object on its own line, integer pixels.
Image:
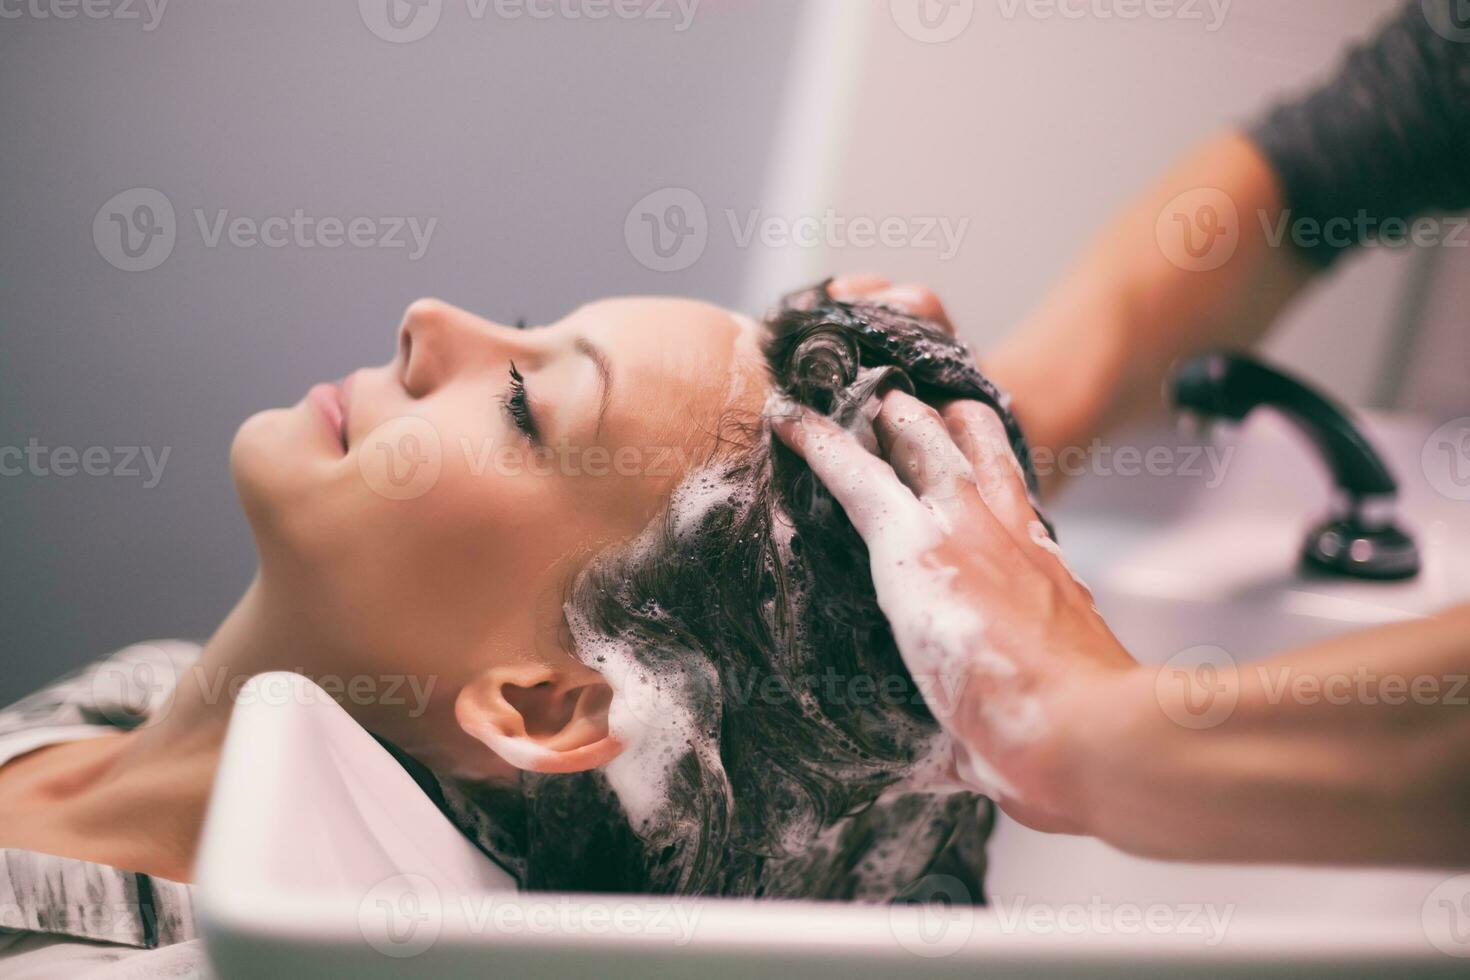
[{"x": 330, "y": 400}]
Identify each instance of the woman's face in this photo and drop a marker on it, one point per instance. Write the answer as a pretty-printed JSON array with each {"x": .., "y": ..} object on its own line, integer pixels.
[{"x": 424, "y": 519}]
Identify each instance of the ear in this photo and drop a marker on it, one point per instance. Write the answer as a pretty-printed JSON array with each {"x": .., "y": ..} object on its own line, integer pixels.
[{"x": 539, "y": 718}]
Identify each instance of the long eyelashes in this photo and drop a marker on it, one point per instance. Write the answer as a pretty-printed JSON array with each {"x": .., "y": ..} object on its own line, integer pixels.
[{"x": 517, "y": 407}]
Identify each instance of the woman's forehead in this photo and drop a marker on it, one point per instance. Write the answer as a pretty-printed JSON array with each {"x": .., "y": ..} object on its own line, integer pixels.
[
  {"x": 692, "y": 324},
  {"x": 678, "y": 367},
  {"x": 693, "y": 351}
]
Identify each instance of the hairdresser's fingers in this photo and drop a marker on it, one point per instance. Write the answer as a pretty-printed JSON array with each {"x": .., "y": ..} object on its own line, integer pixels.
[
  {"x": 850, "y": 289},
  {"x": 871, "y": 494},
  {"x": 981, "y": 436},
  {"x": 914, "y": 299},
  {"x": 918, "y": 446}
]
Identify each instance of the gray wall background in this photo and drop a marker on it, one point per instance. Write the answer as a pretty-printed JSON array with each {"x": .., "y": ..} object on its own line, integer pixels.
[{"x": 528, "y": 139}]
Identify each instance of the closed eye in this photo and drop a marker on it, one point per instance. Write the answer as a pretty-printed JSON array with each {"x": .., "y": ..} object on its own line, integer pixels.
[{"x": 518, "y": 407}]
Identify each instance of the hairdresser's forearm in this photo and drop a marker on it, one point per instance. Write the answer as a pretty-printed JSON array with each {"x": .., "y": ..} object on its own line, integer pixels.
[
  {"x": 1352, "y": 751},
  {"x": 1098, "y": 349}
]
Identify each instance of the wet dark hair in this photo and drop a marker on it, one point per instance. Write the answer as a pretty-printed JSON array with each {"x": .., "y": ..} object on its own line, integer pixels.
[{"x": 756, "y": 609}]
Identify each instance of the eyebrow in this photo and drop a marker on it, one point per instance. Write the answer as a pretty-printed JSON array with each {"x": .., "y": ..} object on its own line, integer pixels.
[{"x": 599, "y": 360}]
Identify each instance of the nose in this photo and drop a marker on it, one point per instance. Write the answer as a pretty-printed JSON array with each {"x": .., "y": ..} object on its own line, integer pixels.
[{"x": 437, "y": 340}]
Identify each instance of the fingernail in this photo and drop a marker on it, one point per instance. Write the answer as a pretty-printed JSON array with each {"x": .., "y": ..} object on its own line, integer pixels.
[
  {"x": 905, "y": 296},
  {"x": 844, "y": 288}
]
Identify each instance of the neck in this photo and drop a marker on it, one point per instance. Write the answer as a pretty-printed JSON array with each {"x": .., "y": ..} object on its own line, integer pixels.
[
  {"x": 196, "y": 716},
  {"x": 145, "y": 807}
]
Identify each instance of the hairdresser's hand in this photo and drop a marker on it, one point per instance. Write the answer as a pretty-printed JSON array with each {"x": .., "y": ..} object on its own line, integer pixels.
[
  {"x": 912, "y": 298},
  {"x": 1003, "y": 641}
]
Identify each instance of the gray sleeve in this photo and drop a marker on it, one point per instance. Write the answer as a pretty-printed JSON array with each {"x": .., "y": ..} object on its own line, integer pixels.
[{"x": 1387, "y": 139}]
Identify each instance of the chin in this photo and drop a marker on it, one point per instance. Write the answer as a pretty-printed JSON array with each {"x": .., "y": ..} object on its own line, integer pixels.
[{"x": 265, "y": 458}]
